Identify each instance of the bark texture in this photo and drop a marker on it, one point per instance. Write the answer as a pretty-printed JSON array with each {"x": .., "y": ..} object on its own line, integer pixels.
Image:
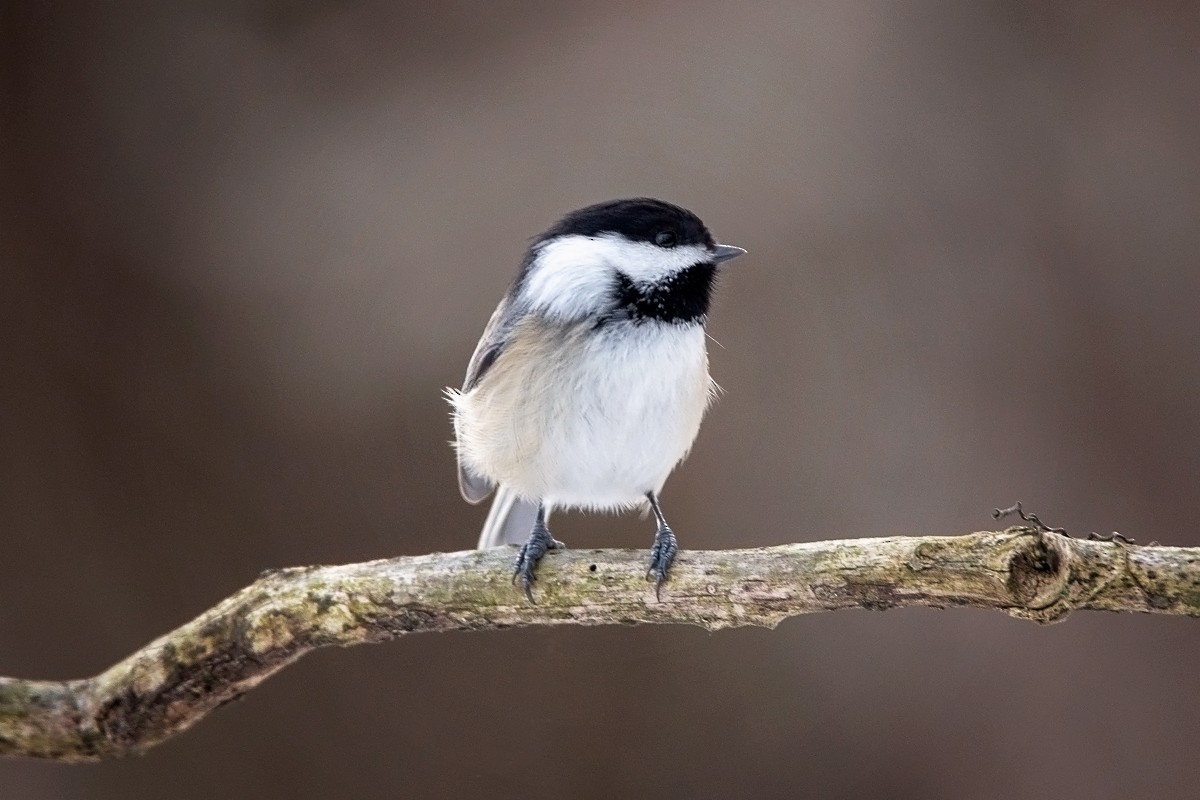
[{"x": 171, "y": 683}]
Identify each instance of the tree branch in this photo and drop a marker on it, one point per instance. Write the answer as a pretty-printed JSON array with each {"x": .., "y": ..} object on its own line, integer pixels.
[{"x": 171, "y": 683}]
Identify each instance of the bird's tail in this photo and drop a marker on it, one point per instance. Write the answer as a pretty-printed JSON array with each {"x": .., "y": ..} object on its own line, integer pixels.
[{"x": 509, "y": 520}]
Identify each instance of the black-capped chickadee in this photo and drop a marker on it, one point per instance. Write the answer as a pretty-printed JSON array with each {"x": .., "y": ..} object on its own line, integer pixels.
[{"x": 591, "y": 378}]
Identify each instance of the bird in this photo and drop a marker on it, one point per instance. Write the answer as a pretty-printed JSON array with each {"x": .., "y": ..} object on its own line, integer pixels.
[{"x": 590, "y": 381}]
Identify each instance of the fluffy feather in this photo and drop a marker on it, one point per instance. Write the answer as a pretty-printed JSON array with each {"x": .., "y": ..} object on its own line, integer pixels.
[{"x": 585, "y": 418}]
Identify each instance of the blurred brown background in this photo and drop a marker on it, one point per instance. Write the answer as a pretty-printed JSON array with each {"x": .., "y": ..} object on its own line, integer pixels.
[{"x": 245, "y": 245}]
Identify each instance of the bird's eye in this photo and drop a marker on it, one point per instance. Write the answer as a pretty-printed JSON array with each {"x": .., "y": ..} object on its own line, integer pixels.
[{"x": 666, "y": 239}]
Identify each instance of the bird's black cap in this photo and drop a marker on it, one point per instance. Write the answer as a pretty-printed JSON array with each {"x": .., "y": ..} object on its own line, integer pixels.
[{"x": 639, "y": 219}]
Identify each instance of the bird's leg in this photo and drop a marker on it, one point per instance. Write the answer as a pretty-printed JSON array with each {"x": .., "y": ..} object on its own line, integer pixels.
[
  {"x": 535, "y": 547},
  {"x": 665, "y": 546}
]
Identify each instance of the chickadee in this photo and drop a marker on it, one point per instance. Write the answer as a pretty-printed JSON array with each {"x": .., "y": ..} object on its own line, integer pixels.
[{"x": 591, "y": 378}]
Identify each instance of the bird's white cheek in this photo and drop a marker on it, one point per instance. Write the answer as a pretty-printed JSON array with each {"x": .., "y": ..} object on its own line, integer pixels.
[
  {"x": 572, "y": 277},
  {"x": 567, "y": 295},
  {"x": 647, "y": 264},
  {"x": 569, "y": 278}
]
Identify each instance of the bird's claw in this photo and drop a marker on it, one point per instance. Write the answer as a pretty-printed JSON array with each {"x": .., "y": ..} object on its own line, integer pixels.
[
  {"x": 662, "y": 555},
  {"x": 536, "y": 546}
]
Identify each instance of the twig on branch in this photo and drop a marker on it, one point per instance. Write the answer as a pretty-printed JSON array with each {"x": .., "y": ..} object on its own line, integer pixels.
[
  {"x": 175, "y": 680},
  {"x": 1018, "y": 508}
]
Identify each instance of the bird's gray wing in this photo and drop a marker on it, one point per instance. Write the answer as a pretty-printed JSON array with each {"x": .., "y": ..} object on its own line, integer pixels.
[
  {"x": 491, "y": 344},
  {"x": 475, "y": 488},
  {"x": 472, "y": 487}
]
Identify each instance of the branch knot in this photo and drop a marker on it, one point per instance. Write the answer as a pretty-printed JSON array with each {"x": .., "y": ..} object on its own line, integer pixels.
[{"x": 1039, "y": 576}]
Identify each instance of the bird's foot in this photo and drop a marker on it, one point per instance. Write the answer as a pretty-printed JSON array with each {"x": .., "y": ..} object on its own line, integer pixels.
[
  {"x": 662, "y": 554},
  {"x": 531, "y": 553}
]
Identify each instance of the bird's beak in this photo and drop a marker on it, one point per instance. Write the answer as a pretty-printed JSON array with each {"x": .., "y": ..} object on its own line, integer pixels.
[{"x": 725, "y": 252}]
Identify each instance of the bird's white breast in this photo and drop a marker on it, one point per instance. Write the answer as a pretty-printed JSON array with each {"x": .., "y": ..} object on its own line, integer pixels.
[{"x": 587, "y": 417}]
